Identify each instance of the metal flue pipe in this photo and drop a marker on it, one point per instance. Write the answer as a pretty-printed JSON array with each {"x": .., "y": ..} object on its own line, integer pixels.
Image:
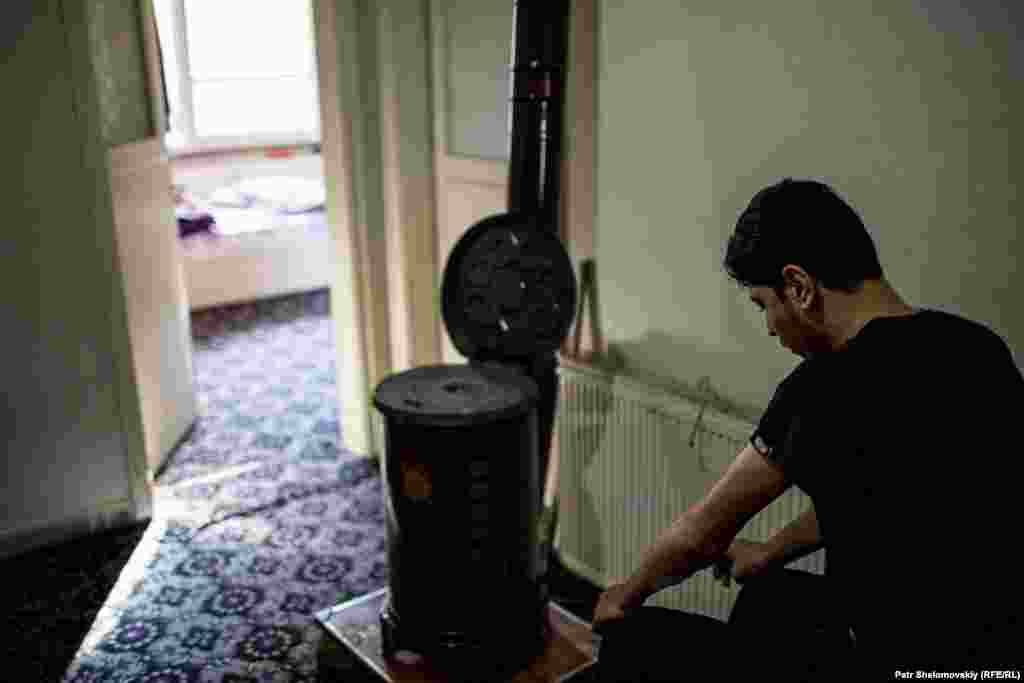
[{"x": 537, "y": 103}]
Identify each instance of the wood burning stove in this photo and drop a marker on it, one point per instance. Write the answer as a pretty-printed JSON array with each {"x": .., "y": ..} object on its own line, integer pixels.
[
  {"x": 467, "y": 445},
  {"x": 462, "y": 491}
]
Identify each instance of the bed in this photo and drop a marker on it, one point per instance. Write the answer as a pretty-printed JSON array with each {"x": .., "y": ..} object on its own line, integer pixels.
[{"x": 254, "y": 239}]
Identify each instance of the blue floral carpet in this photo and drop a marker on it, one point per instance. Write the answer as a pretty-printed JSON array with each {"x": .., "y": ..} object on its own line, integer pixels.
[
  {"x": 261, "y": 516},
  {"x": 266, "y": 386}
]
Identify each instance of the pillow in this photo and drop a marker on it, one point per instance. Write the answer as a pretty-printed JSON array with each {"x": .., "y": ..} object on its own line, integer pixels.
[
  {"x": 229, "y": 197},
  {"x": 285, "y": 194}
]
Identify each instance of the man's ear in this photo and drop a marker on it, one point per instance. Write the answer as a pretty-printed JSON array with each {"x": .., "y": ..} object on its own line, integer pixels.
[{"x": 800, "y": 286}]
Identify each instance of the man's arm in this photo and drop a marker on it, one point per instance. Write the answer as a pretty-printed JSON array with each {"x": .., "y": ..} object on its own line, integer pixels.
[
  {"x": 746, "y": 559},
  {"x": 799, "y": 538},
  {"x": 703, "y": 533}
]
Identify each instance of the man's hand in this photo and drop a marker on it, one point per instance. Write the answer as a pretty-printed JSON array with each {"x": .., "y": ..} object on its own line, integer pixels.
[
  {"x": 611, "y": 605},
  {"x": 743, "y": 560}
]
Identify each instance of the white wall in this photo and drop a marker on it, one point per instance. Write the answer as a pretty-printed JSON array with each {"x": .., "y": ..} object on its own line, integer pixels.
[
  {"x": 72, "y": 435},
  {"x": 911, "y": 110}
]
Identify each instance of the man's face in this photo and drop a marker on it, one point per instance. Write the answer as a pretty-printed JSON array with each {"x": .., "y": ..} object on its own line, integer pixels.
[{"x": 784, "y": 320}]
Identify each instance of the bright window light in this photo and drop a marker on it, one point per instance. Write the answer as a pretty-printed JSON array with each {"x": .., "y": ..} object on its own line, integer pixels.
[{"x": 239, "y": 71}]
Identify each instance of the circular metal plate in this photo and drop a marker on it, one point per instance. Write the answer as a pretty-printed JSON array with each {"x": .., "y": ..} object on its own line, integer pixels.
[
  {"x": 509, "y": 290},
  {"x": 464, "y": 394}
]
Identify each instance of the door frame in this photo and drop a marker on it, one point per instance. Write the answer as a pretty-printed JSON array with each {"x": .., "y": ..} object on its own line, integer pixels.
[
  {"x": 385, "y": 299},
  {"x": 385, "y": 295},
  {"x": 359, "y": 298}
]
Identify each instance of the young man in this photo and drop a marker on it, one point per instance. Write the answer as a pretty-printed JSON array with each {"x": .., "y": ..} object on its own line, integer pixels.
[{"x": 899, "y": 424}]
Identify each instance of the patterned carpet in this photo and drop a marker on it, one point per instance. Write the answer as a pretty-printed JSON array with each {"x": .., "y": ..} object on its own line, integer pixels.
[
  {"x": 265, "y": 378},
  {"x": 262, "y": 518}
]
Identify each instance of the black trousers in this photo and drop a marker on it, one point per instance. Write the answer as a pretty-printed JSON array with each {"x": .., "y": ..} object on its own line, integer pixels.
[{"x": 784, "y": 626}]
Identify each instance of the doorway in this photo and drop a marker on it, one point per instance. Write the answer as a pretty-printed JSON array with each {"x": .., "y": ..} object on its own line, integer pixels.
[{"x": 241, "y": 89}]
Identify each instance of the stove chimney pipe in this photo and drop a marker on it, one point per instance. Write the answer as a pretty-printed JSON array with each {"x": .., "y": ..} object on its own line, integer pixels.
[{"x": 537, "y": 84}]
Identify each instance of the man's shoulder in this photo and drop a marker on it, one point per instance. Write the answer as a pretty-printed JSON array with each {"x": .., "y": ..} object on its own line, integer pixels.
[
  {"x": 931, "y": 346},
  {"x": 932, "y": 333},
  {"x": 957, "y": 323},
  {"x": 972, "y": 342},
  {"x": 938, "y": 321},
  {"x": 806, "y": 373},
  {"x": 817, "y": 385}
]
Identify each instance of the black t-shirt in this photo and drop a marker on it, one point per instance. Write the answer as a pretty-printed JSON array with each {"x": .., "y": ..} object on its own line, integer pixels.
[{"x": 906, "y": 441}]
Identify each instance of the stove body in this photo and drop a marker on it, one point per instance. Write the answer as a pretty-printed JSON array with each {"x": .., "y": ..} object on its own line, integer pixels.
[
  {"x": 462, "y": 479},
  {"x": 467, "y": 445}
]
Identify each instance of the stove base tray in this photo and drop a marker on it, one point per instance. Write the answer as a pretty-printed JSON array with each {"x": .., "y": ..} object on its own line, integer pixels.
[{"x": 357, "y": 643}]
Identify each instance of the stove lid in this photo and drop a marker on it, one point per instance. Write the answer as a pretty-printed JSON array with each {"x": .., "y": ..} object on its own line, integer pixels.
[
  {"x": 509, "y": 291},
  {"x": 456, "y": 394}
]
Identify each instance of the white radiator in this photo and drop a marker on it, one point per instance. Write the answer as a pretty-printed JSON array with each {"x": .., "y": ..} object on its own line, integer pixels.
[{"x": 627, "y": 470}]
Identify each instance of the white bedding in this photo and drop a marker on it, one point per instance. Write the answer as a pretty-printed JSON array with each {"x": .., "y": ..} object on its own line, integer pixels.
[{"x": 255, "y": 254}]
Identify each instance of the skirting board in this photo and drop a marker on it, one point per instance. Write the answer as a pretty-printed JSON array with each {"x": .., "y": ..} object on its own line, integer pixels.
[{"x": 112, "y": 514}]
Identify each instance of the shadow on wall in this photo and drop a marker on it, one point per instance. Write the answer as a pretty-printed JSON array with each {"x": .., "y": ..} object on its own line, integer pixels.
[
  {"x": 658, "y": 358},
  {"x": 603, "y": 434},
  {"x": 585, "y": 418}
]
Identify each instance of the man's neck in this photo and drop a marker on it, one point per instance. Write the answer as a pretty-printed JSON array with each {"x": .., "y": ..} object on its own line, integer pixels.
[{"x": 876, "y": 299}]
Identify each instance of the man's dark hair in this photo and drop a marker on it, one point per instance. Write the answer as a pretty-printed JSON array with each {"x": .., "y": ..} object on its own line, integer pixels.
[{"x": 805, "y": 223}]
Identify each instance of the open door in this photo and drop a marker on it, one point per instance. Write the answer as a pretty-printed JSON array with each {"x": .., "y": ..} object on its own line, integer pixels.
[
  {"x": 154, "y": 281},
  {"x": 154, "y": 286}
]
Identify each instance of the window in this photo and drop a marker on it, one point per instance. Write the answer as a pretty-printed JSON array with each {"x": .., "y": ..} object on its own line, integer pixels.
[{"x": 239, "y": 73}]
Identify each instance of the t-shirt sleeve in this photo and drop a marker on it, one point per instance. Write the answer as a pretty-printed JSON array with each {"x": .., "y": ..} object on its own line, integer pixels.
[{"x": 785, "y": 419}]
